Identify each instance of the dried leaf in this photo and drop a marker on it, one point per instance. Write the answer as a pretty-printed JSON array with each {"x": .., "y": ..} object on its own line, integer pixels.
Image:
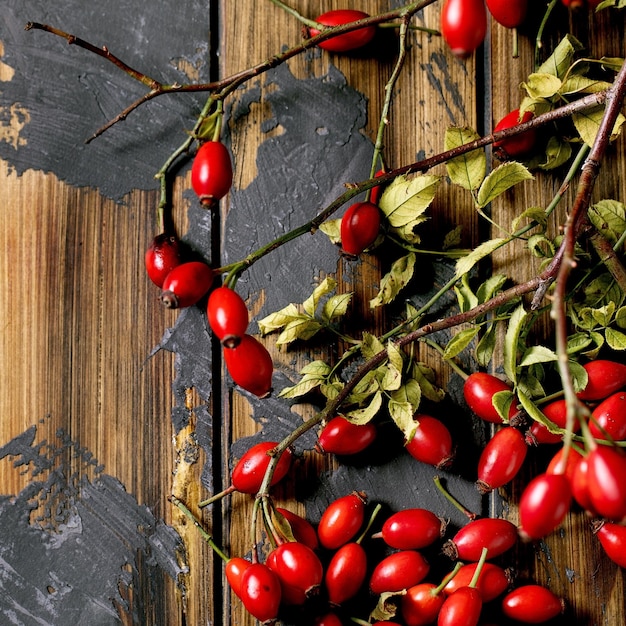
[{"x": 395, "y": 280}]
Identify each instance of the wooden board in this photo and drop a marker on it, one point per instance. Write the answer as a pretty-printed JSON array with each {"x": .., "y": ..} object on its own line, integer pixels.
[{"x": 110, "y": 402}]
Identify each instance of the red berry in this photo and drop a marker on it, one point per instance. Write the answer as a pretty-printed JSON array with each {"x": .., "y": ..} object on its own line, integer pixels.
[
  {"x": 234, "y": 569},
  {"x": 432, "y": 442},
  {"x": 249, "y": 471},
  {"x": 613, "y": 540},
  {"x": 398, "y": 571},
  {"x": 299, "y": 570},
  {"x": 580, "y": 485},
  {"x": 360, "y": 225},
  {"x": 497, "y": 535},
  {"x": 509, "y": 13},
  {"x": 420, "y": 604},
  {"x": 558, "y": 465},
  {"x": 501, "y": 459},
  {"x": 544, "y": 503},
  {"x": 577, "y": 5},
  {"x": 341, "y": 436},
  {"x": 163, "y": 255},
  {"x": 186, "y": 284},
  {"x": 412, "y": 529},
  {"x": 479, "y": 389},
  {"x": 463, "y": 25},
  {"x": 605, "y": 482},
  {"x": 609, "y": 418},
  {"x": 341, "y": 520},
  {"x": 376, "y": 192},
  {"x": 328, "y": 619},
  {"x": 492, "y": 580},
  {"x": 228, "y": 316},
  {"x": 260, "y": 592},
  {"x": 603, "y": 378},
  {"x": 462, "y": 608},
  {"x": 531, "y": 604},
  {"x": 518, "y": 145},
  {"x": 347, "y": 41},
  {"x": 301, "y": 529},
  {"x": 250, "y": 366},
  {"x": 345, "y": 573},
  {"x": 211, "y": 172}
]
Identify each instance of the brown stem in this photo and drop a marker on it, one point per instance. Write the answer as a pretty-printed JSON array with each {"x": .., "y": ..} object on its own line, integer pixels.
[{"x": 609, "y": 258}]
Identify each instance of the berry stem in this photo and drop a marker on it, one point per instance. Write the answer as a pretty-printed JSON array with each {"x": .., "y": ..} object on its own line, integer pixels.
[
  {"x": 469, "y": 514},
  {"x": 217, "y": 496}
]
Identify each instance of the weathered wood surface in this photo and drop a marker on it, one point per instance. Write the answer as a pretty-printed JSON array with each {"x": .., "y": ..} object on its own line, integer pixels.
[{"x": 80, "y": 320}]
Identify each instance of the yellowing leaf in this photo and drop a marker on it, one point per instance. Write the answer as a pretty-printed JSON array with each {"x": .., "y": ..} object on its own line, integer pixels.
[
  {"x": 336, "y": 307},
  {"x": 326, "y": 286},
  {"x": 302, "y": 328},
  {"x": 561, "y": 59},
  {"x": 395, "y": 280},
  {"x": 557, "y": 153},
  {"x": 407, "y": 198},
  {"x": 465, "y": 264},
  {"x": 467, "y": 170},
  {"x": 587, "y": 124},
  {"x": 511, "y": 342},
  {"x": 275, "y": 321},
  {"x": 499, "y": 180},
  {"x": 371, "y": 345},
  {"x": 366, "y": 414},
  {"x": 609, "y": 217},
  {"x": 332, "y": 228},
  {"x": 542, "y": 85},
  {"x": 402, "y": 414},
  {"x": 581, "y": 84},
  {"x": 460, "y": 341}
]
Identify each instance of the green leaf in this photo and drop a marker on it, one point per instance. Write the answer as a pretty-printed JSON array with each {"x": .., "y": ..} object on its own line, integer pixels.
[
  {"x": 306, "y": 385},
  {"x": 577, "y": 84},
  {"x": 604, "y": 315},
  {"x": 620, "y": 317},
  {"x": 395, "y": 280},
  {"x": 405, "y": 199},
  {"x": 316, "y": 368},
  {"x": 577, "y": 342},
  {"x": 579, "y": 376},
  {"x": 371, "y": 345},
  {"x": 402, "y": 414},
  {"x": 598, "y": 342},
  {"x": 537, "y": 106},
  {"x": 424, "y": 376},
  {"x": 486, "y": 346},
  {"x": 502, "y": 401},
  {"x": 537, "y": 354},
  {"x": 331, "y": 390},
  {"x": 302, "y": 328},
  {"x": 536, "y": 414},
  {"x": 325, "y": 287},
  {"x": 615, "y": 339},
  {"x": 453, "y": 238},
  {"x": 276, "y": 321},
  {"x": 542, "y": 85},
  {"x": 491, "y": 287},
  {"x": 460, "y": 341},
  {"x": 587, "y": 124},
  {"x": 410, "y": 392},
  {"x": 557, "y": 153},
  {"x": 467, "y": 170},
  {"x": 561, "y": 59},
  {"x": 532, "y": 214},
  {"x": 393, "y": 374},
  {"x": 336, "y": 307},
  {"x": 465, "y": 264},
  {"x": 541, "y": 246},
  {"x": 332, "y": 228},
  {"x": 366, "y": 414},
  {"x": 499, "y": 180},
  {"x": 465, "y": 296},
  {"x": 609, "y": 217},
  {"x": 511, "y": 342}
]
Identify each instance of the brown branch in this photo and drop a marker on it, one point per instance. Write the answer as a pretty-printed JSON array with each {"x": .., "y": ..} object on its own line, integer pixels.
[{"x": 609, "y": 258}]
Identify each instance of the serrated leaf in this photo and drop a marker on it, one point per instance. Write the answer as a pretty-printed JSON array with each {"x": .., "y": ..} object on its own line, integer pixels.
[
  {"x": 557, "y": 153},
  {"x": 577, "y": 84},
  {"x": 316, "y": 368},
  {"x": 402, "y": 414},
  {"x": 620, "y": 317},
  {"x": 537, "y": 106},
  {"x": 395, "y": 280},
  {"x": 410, "y": 392},
  {"x": 302, "y": 328},
  {"x": 392, "y": 378},
  {"x": 511, "y": 342},
  {"x": 332, "y": 229},
  {"x": 424, "y": 377},
  {"x": 366, "y": 414},
  {"x": 587, "y": 124},
  {"x": 452, "y": 239},
  {"x": 561, "y": 59},
  {"x": 500, "y": 180},
  {"x": 336, "y": 307},
  {"x": 542, "y": 85},
  {"x": 541, "y": 247},
  {"x": 577, "y": 342},
  {"x": 459, "y": 342},
  {"x": 276, "y": 321},
  {"x": 465, "y": 264},
  {"x": 325, "y": 287},
  {"x": 396, "y": 358},
  {"x": 609, "y": 217},
  {"x": 371, "y": 345},
  {"x": 490, "y": 287},
  {"x": 537, "y": 354},
  {"x": 407, "y": 198},
  {"x": 306, "y": 385},
  {"x": 532, "y": 214},
  {"x": 579, "y": 376},
  {"x": 465, "y": 296},
  {"x": 331, "y": 390},
  {"x": 604, "y": 315},
  {"x": 615, "y": 339},
  {"x": 467, "y": 170},
  {"x": 598, "y": 342},
  {"x": 531, "y": 384}
]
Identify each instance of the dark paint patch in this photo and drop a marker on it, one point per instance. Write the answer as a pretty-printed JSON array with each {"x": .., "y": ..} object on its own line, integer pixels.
[
  {"x": 74, "y": 543},
  {"x": 68, "y": 93}
]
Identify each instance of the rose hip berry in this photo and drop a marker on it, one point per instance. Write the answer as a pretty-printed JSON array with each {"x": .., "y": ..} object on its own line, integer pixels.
[
  {"x": 517, "y": 145},
  {"x": 360, "y": 225},
  {"x": 497, "y": 535},
  {"x": 605, "y": 481},
  {"x": 163, "y": 255},
  {"x": 412, "y": 529},
  {"x": 211, "y": 172},
  {"x": 421, "y": 603},
  {"x": 608, "y": 419},
  {"x": 234, "y": 569},
  {"x": 398, "y": 571},
  {"x": 501, "y": 459},
  {"x": 345, "y": 573},
  {"x": 228, "y": 316},
  {"x": 301, "y": 529},
  {"x": 613, "y": 540},
  {"x": 509, "y": 13},
  {"x": 478, "y": 391},
  {"x": 463, "y": 25},
  {"x": 249, "y": 471},
  {"x": 556, "y": 412},
  {"x": 340, "y": 436},
  {"x": 604, "y": 377},
  {"x": 186, "y": 284},
  {"x": 250, "y": 366},
  {"x": 347, "y": 41},
  {"x": 341, "y": 520},
  {"x": 492, "y": 580},
  {"x": 299, "y": 570},
  {"x": 432, "y": 442},
  {"x": 531, "y": 604},
  {"x": 260, "y": 592}
]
